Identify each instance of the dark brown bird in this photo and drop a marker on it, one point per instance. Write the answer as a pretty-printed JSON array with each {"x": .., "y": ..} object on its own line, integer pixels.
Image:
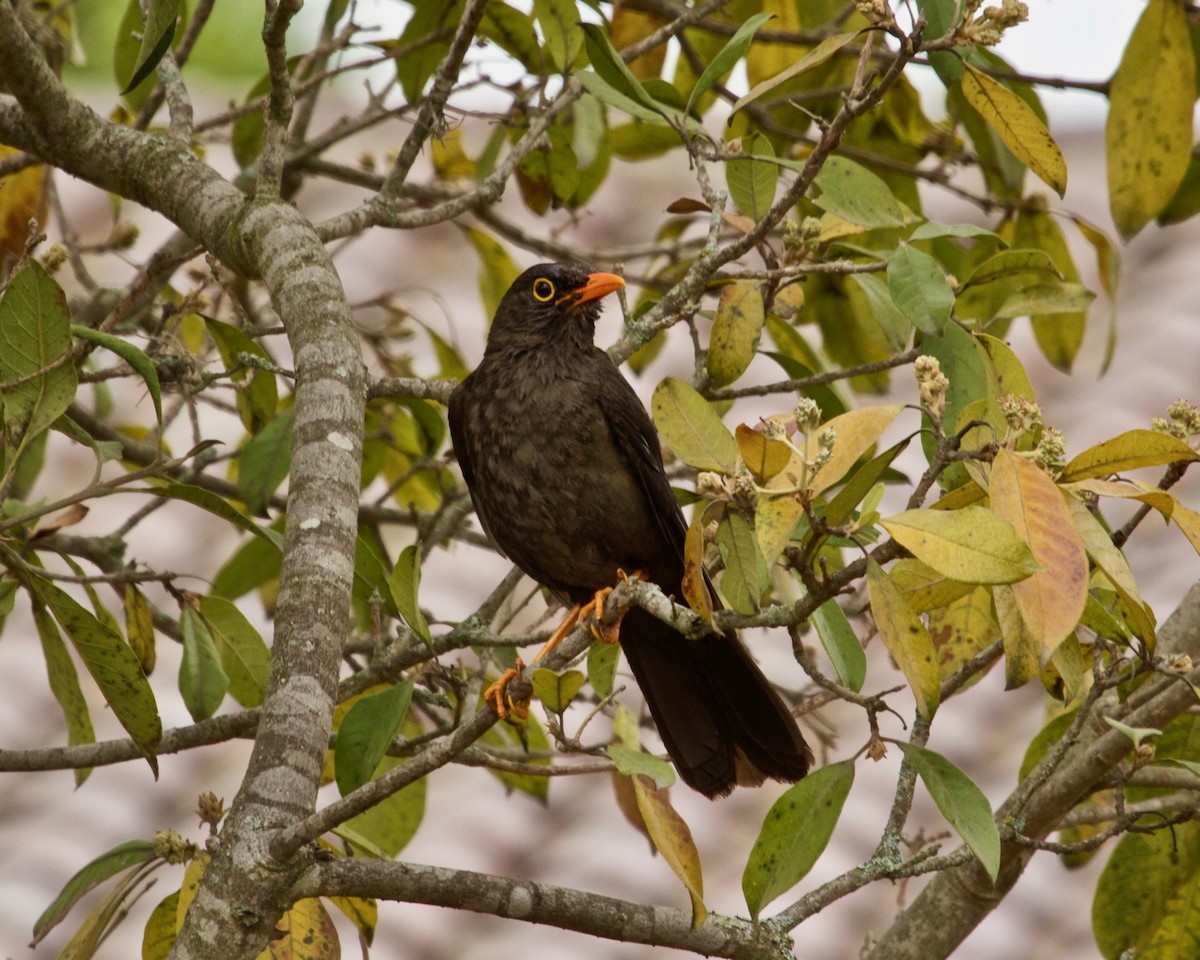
[{"x": 566, "y": 474}]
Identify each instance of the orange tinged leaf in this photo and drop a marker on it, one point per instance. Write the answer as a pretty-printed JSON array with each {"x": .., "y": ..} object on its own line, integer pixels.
[
  {"x": 763, "y": 457},
  {"x": 1050, "y": 601}
]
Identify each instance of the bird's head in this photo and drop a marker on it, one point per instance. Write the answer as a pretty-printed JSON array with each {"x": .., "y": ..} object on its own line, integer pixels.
[{"x": 552, "y": 302}]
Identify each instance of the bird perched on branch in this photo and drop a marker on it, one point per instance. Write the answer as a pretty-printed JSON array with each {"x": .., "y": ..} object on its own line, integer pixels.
[{"x": 565, "y": 470}]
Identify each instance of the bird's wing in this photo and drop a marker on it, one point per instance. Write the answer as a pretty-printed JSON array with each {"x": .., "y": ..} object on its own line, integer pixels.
[
  {"x": 634, "y": 434},
  {"x": 456, "y": 415}
]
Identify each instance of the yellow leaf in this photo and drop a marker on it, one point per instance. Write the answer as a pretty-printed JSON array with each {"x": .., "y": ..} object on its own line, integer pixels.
[
  {"x": 695, "y": 586},
  {"x": 672, "y": 838},
  {"x": 1017, "y": 125},
  {"x": 906, "y": 639},
  {"x": 737, "y": 327},
  {"x": 1160, "y": 500},
  {"x": 21, "y": 200},
  {"x": 763, "y": 457},
  {"x": 854, "y": 433},
  {"x": 962, "y": 629},
  {"x": 630, "y": 26},
  {"x": 774, "y": 521},
  {"x": 1148, "y": 138},
  {"x": 923, "y": 587},
  {"x": 306, "y": 932},
  {"x": 973, "y": 544},
  {"x": 1021, "y": 648},
  {"x": 192, "y": 875},
  {"x": 1050, "y": 601},
  {"x": 1112, "y": 563},
  {"x": 1189, "y": 522},
  {"x": 1131, "y": 450}
]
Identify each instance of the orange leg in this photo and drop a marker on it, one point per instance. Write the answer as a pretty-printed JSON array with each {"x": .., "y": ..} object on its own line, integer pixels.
[{"x": 497, "y": 693}]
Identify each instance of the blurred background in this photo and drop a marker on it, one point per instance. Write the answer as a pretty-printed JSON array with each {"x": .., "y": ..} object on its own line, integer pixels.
[{"x": 48, "y": 830}]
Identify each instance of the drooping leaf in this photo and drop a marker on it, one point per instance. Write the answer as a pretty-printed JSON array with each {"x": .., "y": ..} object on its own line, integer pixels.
[
  {"x": 405, "y": 584},
  {"x": 264, "y": 462},
  {"x": 157, "y": 33},
  {"x": 64, "y": 684},
  {"x": 1051, "y": 600},
  {"x": 794, "y": 834},
  {"x": 673, "y": 839},
  {"x": 737, "y": 327},
  {"x": 203, "y": 682},
  {"x": 160, "y": 932},
  {"x": 111, "y": 664},
  {"x": 243, "y": 653},
  {"x": 497, "y": 269},
  {"x": 961, "y": 802},
  {"x": 1018, "y": 126},
  {"x": 841, "y": 644},
  {"x": 258, "y": 399},
  {"x": 35, "y": 339},
  {"x": 745, "y": 577},
  {"x": 1148, "y": 136},
  {"x": 906, "y": 639}
]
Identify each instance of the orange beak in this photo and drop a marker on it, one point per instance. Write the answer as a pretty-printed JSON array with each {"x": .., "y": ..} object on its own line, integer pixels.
[{"x": 598, "y": 285}]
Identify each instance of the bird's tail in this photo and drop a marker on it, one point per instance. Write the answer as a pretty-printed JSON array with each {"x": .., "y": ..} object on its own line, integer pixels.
[{"x": 721, "y": 720}]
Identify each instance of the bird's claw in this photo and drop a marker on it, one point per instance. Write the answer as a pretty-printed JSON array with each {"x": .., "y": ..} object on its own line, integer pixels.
[{"x": 496, "y": 695}]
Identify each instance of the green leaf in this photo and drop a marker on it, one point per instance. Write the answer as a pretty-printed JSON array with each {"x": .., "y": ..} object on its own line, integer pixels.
[
  {"x": 1141, "y": 895},
  {"x": 971, "y": 544},
  {"x": 258, "y": 398},
  {"x": 794, "y": 834},
  {"x": 852, "y": 192},
  {"x": 159, "y": 934},
  {"x": 1046, "y": 298},
  {"x": 611, "y": 68},
  {"x": 691, "y": 427},
  {"x": 388, "y": 826},
  {"x": 366, "y": 732},
  {"x": 729, "y": 55},
  {"x": 35, "y": 334},
  {"x": 498, "y": 271},
  {"x": 218, "y": 506},
  {"x": 961, "y": 802},
  {"x": 530, "y": 737},
  {"x": 841, "y": 644},
  {"x": 142, "y": 365},
  {"x": 243, "y": 652},
  {"x": 64, "y": 684},
  {"x": 752, "y": 182},
  {"x": 559, "y": 20},
  {"x": 602, "y": 667},
  {"x": 112, "y": 665},
  {"x": 264, "y": 463},
  {"x": 632, "y": 762},
  {"x": 919, "y": 288},
  {"x": 1017, "y": 125},
  {"x": 405, "y": 583},
  {"x": 814, "y": 58},
  {"x": 736, "y": 330},
  {"x": 745, "y": 577},
  {"x": 157, "y": 34},
  {"x": 906, "y": 639},
  {"x": 203, "y": 682},
  {"x": 556, "y": 690},
  {"x": 132, "y": 853},
  {"x": 1148, "y": 137}
]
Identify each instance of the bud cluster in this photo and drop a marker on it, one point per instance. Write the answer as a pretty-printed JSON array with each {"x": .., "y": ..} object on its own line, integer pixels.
[
  {"x": 932, "y": 384},
  {"x": 1183, "y": 420},
  {"x": 988, "y": 28}
]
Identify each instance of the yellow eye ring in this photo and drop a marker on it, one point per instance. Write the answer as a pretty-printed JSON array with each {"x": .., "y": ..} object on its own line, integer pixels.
[{"x": 543, "y": 290}]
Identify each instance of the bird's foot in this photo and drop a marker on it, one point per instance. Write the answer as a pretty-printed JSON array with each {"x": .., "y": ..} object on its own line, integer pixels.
[
  {"x": 594, "y": 609},
  {"x": 496, "y": 695}
]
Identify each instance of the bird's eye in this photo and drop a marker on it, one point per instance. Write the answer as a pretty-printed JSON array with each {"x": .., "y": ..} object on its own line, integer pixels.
[{"x": 543, "y": 290}]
